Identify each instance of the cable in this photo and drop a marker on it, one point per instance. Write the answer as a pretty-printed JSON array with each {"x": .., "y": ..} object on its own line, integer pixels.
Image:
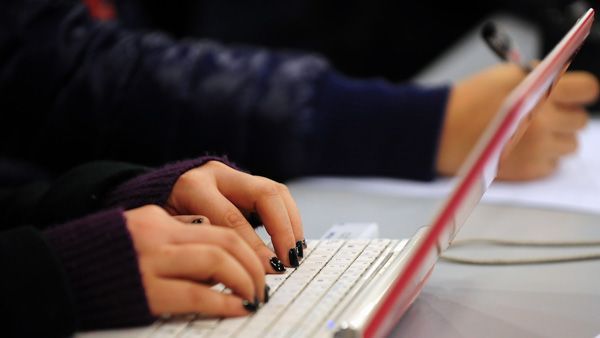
[{"x": 522, "y": 261}]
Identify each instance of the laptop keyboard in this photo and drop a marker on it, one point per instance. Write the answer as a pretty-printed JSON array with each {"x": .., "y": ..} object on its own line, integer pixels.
[{"x": 302, "y": 300}]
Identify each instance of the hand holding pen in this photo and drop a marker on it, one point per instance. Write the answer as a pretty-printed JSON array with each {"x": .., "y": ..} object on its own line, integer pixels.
[
  {"x": 551, "y": 134},
  {"x": 554, "y": 128}
]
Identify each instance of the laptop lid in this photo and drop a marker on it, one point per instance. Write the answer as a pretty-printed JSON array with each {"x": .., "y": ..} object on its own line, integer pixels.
[{"x": 475, "y": 176}]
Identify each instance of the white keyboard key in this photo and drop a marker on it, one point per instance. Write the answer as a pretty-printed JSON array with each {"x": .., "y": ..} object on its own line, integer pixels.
[
  {"x": 171, "y": 328},
  {"x": 228, "y": 327},
  {"x": 195, "y": 333}
]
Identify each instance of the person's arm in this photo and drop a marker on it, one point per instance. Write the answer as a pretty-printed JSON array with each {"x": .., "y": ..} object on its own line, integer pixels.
[
  {"x": 77, "y": 192},
  {"x": 80, "y": 275},
  {"x": 84, "y": 89},
  {"x": 551, "y": 134},
  {"x": 121, "y": 269},
  {"x": 94, "y": 262},
  {"x": 70, "y": 273}
]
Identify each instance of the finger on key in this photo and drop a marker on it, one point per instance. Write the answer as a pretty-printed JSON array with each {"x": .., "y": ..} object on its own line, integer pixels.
[
  {"x": 230, "y": 241},
  {"x": 294, "y": 214},
  {"x": 223, "y": 213},
  {"x": 176, "y": 296},
  {"x": 265, "y": 197},
  {"x": 201, "y": 262}
]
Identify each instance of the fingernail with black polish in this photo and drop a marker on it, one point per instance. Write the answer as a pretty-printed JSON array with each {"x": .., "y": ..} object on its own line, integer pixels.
[
  {"x": 294, "y": 257},
  {"x": 250, "y": 306},
  {"x": 277, "y": 265},
  {"x": 267, "y": 290},
  {"x": 304, "y": 244},
  {"x": 198, "y": 221},
  {"x": 300, "y": 249}
]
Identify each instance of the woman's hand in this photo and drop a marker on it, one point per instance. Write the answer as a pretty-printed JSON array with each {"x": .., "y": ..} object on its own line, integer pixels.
[
  {"x": 179, "y": 262},
  {"x": 227, "y": 196},
  {"x": 551, "y": 134}
]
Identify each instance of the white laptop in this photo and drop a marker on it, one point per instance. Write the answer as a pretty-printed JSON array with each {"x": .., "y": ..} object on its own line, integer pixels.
[{"x": 359, "y": 287}]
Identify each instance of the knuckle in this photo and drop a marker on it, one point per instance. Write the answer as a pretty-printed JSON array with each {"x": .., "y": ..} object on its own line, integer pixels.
[
  {"x": 153, "y": 209},
  {"x": 216, "y": 164},
  {"x": 221, "y": 306},
  {"x": 187, "y": 178},
  {"x": 256, "y": 246},
  {"x": 583, "y": 121},
  {"x": 235, "y": 219},
  {"x": 194, "y": 295},
  {"x": 167, "y": 251},
  {"x": 530, "y": 171},
  {"x": 215, "y": 254},
  {"x": 230, "y": 238},
  {"x": 282, "y": 188},
  {"x": 268, "y": 188}
]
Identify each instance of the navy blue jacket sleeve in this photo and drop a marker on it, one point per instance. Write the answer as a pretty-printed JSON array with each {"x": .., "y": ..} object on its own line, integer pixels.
[{"x": 77, "y": 90}]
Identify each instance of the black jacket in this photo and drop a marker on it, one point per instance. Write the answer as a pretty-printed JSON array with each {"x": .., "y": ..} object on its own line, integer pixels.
[{"x": 37, "y": 295}]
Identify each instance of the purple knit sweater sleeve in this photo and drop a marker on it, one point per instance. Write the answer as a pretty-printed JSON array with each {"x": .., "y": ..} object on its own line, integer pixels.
[
  {"x": 98, "y": 257},
  {"x": 154, "y": 187}
]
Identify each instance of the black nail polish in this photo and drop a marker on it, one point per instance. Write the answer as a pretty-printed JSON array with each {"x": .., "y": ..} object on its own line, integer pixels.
[
  {"x": 300, "y": 249},
  {"x": 250, "y": 306},
  {"x": 267, "y": 290},
  {"x": 304, "y": 244},
  {"x": 277, "y": 265},
  {"x": 199, "y": 220},
  {"x": 294, "y": 257}
]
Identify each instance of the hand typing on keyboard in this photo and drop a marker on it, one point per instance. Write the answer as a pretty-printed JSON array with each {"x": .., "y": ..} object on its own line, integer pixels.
[
  {"x": 226, "y": 195},
  {"x": 174, "y": 259},
  {"x": 301, "y": 300},
  {"x": 181, "y": 261}
]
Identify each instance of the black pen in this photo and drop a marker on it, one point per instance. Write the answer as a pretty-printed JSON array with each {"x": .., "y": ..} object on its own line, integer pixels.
[{"x": 500, "y": 42}]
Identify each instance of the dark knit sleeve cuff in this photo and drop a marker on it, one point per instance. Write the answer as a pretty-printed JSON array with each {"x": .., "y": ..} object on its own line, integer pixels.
[
  {"x": 154, "y": 187},
  {"x": 99, "y": 259},
  {"x": 376, "y": 128}
]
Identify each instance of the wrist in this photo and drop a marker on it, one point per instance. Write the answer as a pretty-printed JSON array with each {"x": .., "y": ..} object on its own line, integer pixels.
[{"x": 156, "y": 186}]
